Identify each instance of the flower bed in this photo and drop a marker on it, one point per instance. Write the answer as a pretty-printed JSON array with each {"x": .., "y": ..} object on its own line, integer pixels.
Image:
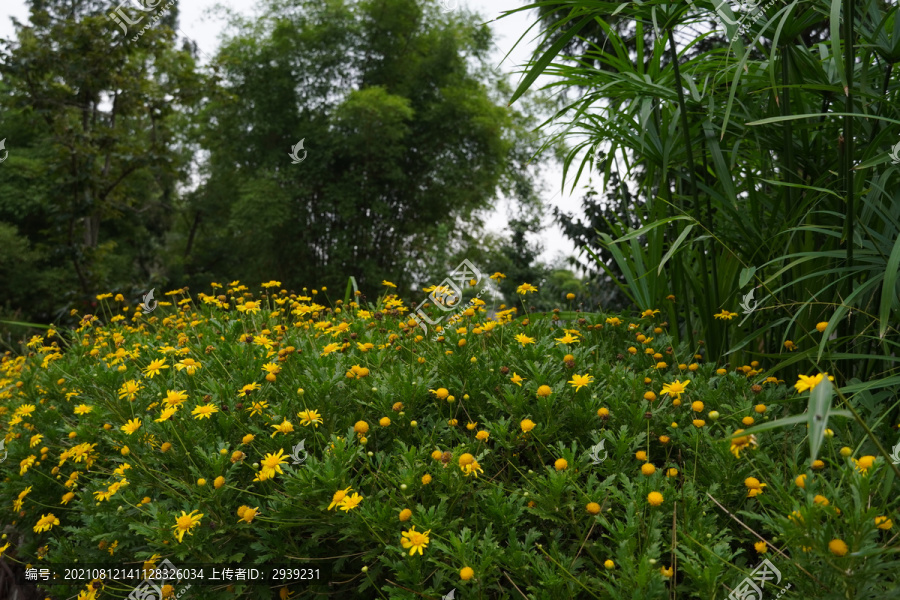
[{"x": 510, "y": 458}]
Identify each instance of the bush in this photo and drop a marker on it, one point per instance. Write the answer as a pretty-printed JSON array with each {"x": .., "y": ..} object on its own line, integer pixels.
[{"x": 540, "y": 458}]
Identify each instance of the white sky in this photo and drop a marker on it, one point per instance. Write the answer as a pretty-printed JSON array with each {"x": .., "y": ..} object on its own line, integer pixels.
[{"x": 199, "y": 22}]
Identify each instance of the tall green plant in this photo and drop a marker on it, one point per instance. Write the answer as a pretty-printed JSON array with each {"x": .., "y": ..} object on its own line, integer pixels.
[{"x": 767, "y": 154}]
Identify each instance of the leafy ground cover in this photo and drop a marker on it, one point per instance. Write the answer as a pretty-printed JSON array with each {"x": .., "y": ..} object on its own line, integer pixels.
[{"x": 472, "y": 463}]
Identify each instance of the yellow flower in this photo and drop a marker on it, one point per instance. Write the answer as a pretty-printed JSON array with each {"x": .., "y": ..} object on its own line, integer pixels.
[
  {"x": 271, "y": 465},
  {"x": 333, "y": 347},
  {"x": 405, "y": 514},
  {"x": 338, "y": 497},
  {"x": 648, "y": 469},
  {"x": 800, "y": 481},
  {"x": 524, "y": 339},
  {"x": 175, "y": 398},
  {"x": 129, "y": 389},
  {"x": 516, "y": 379},
  {"x": 189, "y": 364},
  {"x": 883, "y": 523},
  {"x": 132, "y": 426},
  {"x": 441, "y": 393},
  {"x": 25, "y": 410},
  {"x": 466, "y": 573},
  {"x": 45, "y": 523},
  {"x": 655, "y": 498},
  {"x": 471, "y": 468},
  {"x": 675, "y": 389},
  {"x": 820, "y": 327},
  {"x": 83, "y": 409},
  {"x": 247, "y": 389},
  {"x": 350, "y": 502},
  {"x": 153, "y": 369},
  {"x": 838, "y": 547},
  {"x": 725, "y": 315},
  {"x": 761, "y": 547},
  {"x": 567, "y": 339},
  {"x": 754, "y": 487},
  {"x": 864, "y": 463},
  {"x": 742, "y": 442},
  {"x": 561, "y": 464},
  {"x": 805, "y": 383},
  {"x": 790, "y": 345},
  {"x": 310, "y": 417},
  {"x": 257, "y": 407},
  {"x": 668, "y": 573},
  {"x": 415, "y": 541},
  {"x": 166, "y": 414},
  {"x": 527, "y": 425},
  {"x": 649, "y": 313},
  {"x": 498, "y": 276},
  {"x": 204, "y": 411},
  {"x": 185, "y": 523},
  {"x": 525, "y": 288},
  {"x": 580, "y": 381},
  {"x": 284, "y": 427},
  {"x": 544, "y": 391}
]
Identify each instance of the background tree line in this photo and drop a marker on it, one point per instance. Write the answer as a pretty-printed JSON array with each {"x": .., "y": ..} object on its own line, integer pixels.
[{"x": 132, "y": 166}]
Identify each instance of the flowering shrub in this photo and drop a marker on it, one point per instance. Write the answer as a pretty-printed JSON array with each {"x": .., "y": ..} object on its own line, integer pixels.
[{"x": 469, "y": 463}]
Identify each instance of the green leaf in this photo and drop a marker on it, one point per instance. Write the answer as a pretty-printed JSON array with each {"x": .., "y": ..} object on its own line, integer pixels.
[
  {"x": 639, "y": 232},
  {"x": 821, "y": 116},
  {"x": 684, "y": 233},
  {"x": 888, "y": 287},
  {"x": 26, "y": 324},
  {"x": 747, "y": 274},
  {"x": 817, "y": 414},
  {"x": 544, "y": 61},
  {"x": 836, "y": 52},
  {"x": 786, "y": 422},
  {"x": 350, "y": 282}
]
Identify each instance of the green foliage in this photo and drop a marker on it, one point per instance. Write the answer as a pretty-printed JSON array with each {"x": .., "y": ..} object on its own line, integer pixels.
[
  {"x": 747, "y": 156},
  {"x": 524, "y": 520},
  {"x": 405, "y": 144},
  {"x": 133, "y": 168}
]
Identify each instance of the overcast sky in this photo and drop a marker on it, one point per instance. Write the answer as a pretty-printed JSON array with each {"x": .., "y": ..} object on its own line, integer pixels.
[{"x": 201, "y": 22}]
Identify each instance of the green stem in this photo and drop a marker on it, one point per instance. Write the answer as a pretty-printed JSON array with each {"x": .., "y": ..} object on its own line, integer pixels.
[
  {"x": 686, "y": 132},
  {"x": 847, "y": 162}
]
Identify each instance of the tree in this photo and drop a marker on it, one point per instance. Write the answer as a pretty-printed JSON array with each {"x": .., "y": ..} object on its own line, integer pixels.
[
  {"x": 101, "y": 113},
  {"x": 404, "y": 145}
]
